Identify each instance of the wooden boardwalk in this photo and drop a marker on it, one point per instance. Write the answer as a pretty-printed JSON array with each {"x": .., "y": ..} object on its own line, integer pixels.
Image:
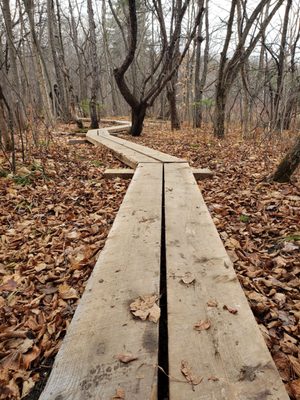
[{"x": 163, "y": 245}]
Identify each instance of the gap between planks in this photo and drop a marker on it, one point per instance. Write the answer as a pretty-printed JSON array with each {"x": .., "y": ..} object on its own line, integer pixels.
[{"x": 128, "y": 267}]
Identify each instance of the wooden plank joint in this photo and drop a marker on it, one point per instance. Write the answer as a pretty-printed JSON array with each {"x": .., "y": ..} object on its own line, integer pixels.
[{"x": 124, "y": 173}]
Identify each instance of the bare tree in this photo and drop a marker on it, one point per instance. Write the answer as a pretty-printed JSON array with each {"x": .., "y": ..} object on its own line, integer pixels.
[
  {"x": 200, "y": 81},
  {"x": 95, "y": 87},
  {"x": 164, "y": 66},
  {"x": 229, "y": 68}
]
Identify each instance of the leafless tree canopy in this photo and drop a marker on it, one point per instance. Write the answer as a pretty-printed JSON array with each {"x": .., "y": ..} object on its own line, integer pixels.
[{"x": 183, "y": 60}]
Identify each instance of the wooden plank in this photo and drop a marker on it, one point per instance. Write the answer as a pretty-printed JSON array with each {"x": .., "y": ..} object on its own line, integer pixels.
[
  {"x": 115, "y": 130},
  {"x": 118, "y": 173},
  {"x": 155, "y": 154},
  {"x": 77, "y": 141},
  {"x": 128, "y": 267},
  {"x": 115, "y": 121},
  {"x": 130, "y": 157},
  {"x": 231, "y": 356},
  {"x": 202, "y": 173}
]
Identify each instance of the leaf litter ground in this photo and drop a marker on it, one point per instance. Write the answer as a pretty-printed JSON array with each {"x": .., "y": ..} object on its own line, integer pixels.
[
  {"x": 56, "y": 214},
  {"x": 259, "y": 223}
]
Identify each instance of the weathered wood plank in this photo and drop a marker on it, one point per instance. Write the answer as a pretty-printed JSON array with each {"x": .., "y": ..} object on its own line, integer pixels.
[
  {"x": 77, "y": 141},
  {"x": 232, "y": 350},
  {"x": 155, "y": 154},
  {"x": 202, "y": 173},
  {"x": 130, "y": 157},
  {"x": 118, "y": 173},
  {"x": 199, "y": 174},
  {"x": 128, "y": 266},
  {"x": 115, "y": 130}
]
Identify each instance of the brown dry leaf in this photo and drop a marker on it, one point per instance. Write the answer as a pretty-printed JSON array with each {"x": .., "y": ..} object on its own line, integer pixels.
[
  {"x": 27, "y": 386},
  {"x": 125, "y": 357},
  {"x": 202, "y": 325},
  {"x": 9, "y": 286},
  {"x": 67, "y": 292},
  {"x": 12, "y": 362},
  {"x": 145, "y": 307},
  {"x": 187, "y": 372},
  {"x": 283, "y": 365},
  {"x": 26, "y": 345},
  {"x": 212, "y": 303},
  {"x": 120, "y": 394},
  {"x": 230, "y": 309},
  {"x": 31, "y": 356},
  {"x": 40, "y": 267},
  {"x": 188, "y": 278},
  {"x": 295, "y": 388},
  {"x": 295, "y": 364},
  {"x": 73, "y": 235}
]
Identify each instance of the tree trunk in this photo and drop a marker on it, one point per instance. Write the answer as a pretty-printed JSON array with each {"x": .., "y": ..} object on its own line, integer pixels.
[
  {"x": 18, "y": 105},
  {"x": 95, "y": 69},
  {"x": 40, "y": 65},
  {"x": 137, "y": 119},
  {"x": 278, "y": 115},
  {"x": 171, "y": 95},
  {"x": 200, "y": 83},
  {"x": 289, "y": 164},
  {"x": 219, "y": 117}
]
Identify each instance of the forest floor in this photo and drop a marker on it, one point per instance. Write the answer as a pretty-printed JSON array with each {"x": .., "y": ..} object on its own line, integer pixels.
[{"x": 56, "y": 214}]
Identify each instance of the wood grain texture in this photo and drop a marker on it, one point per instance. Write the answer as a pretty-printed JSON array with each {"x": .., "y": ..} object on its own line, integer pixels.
[
  {"x": 118, "y": 173},
  {"x": 155, "y": 154},
  {"x": 231, "y": 355},
  {"x": 128, "y": 266},
  {"x": 77, "y": 141},
  {"x": 202, "y": 173},
  {"x": 128, "y": 156}
]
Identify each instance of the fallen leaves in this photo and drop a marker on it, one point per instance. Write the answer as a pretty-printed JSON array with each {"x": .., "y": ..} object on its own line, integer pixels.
[
  {"x": 67, "y": 292},
  {"x": 126, "y": 357},
  {"x": 212, "y": 303},
  {"x": 145, "y": 307},
  {"x": 230, "y": 309},
  {"x": 202, "y": 325},
  {"x": 52, "y": 226},
  {"x": 189, "y": 375},
  {"x": 188, "y": 278},
  {"x": 120, "y": 394}
]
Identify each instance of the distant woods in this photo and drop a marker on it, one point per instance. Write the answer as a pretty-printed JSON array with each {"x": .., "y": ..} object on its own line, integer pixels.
[{"x": 230, "y": 64}]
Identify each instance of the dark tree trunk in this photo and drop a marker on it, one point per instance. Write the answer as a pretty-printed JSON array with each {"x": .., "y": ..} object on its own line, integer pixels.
[
  {"x": 93, "y": 113},
  {"x": 289, "y": 164},
  {"x": 171, "y": 95},
  {"x": 219, "y": 118},
  {"x": 95, "y": 87},
  {"x": 137, "y": 119}
]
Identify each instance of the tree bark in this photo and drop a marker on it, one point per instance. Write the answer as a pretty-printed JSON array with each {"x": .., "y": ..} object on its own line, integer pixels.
[
  {"x": 199, "y": 83},
  {"x": 61, "y": 94},
  {"x": 171, "y": 96},
  {"x": 220, "y": 107},
  {"x": 137, "y": 117},
  {"x": 18, "y": 105},
  {"x": 289, "y": 164},
  {"x": 278, "y": 113},
  {"x": 95, "y": 69},
  {"x": 40, "y": 65}
]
